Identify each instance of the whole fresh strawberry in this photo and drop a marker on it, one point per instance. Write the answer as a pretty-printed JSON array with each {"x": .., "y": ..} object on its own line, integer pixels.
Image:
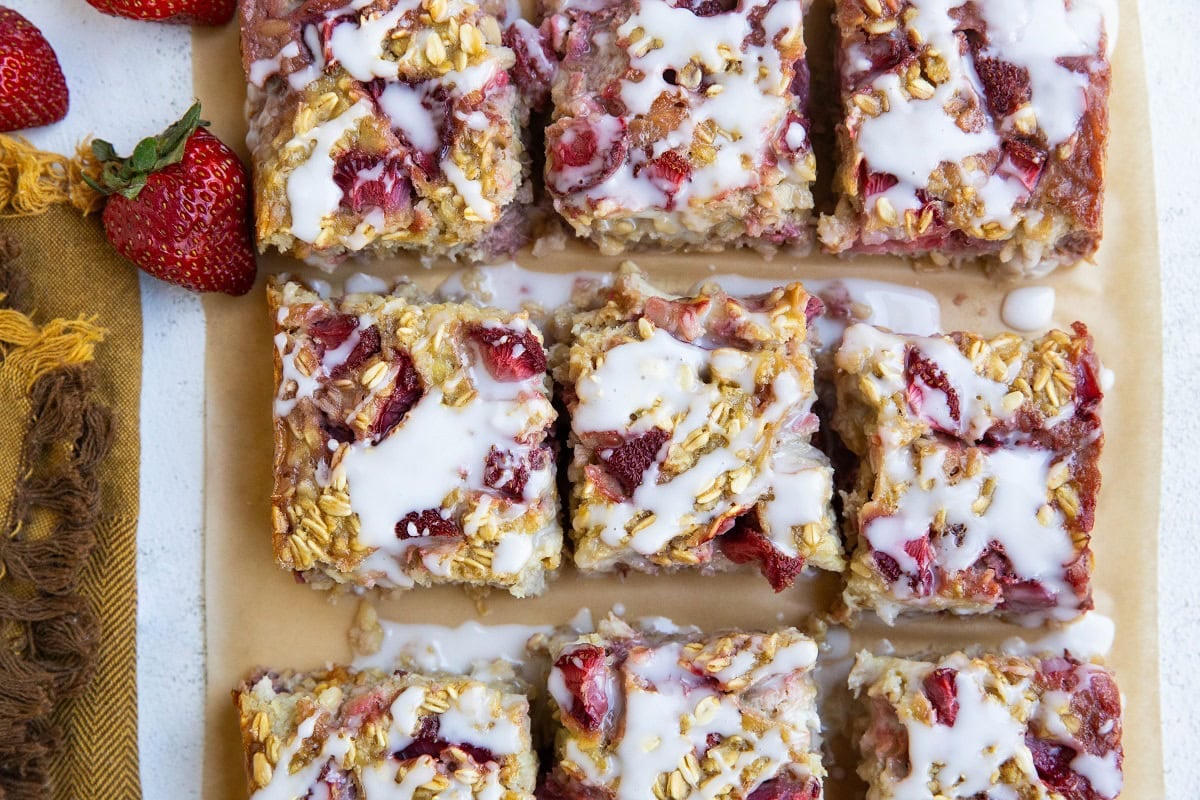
[
  {"x": 179, "y": 208},
  {"x": 33, "y": 90},
  {"x": 182, "y": 12}
]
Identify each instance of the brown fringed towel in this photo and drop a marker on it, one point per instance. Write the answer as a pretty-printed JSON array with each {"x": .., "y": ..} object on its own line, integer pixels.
[
  {"x": 69, "y": 457},
  {"x": 53, "y": 434}
]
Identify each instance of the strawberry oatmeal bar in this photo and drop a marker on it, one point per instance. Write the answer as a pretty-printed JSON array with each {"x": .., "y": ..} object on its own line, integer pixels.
[
  {"x": 669, "y": 716},
  {"x": 692, "y": 428},
  {"x": 681, "y": 123},
  {"x": 341, "y": 733},
  {"x": 972, "y": 130},
  {"x": 385, "y": 125},
  {"x": 988, "y": 728},
  {"x": 978, "y": 474},
  {"x": 412, "y": 443}
]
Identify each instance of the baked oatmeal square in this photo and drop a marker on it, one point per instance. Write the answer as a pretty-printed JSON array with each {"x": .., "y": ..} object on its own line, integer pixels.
[
  {"x": 692, "y": 428},
  {"x": 966, "y": 727},
  {"x": 413, "y": 443},
  {"x": 342, "y": 732},
  {"x": 646, "y": 714},
  {"x": 383, "y": 126},
  {"x": 681, "y": 123},
  {"x": 972, "y": 130},
  {"x": 978, "y": 471}
]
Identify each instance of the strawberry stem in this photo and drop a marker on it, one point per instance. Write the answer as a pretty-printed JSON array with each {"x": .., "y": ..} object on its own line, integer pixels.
[{"x": 127, "y": 176}]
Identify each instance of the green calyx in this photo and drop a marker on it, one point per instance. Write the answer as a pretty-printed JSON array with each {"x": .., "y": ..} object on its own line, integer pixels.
[{"x": 127, "y": 176}]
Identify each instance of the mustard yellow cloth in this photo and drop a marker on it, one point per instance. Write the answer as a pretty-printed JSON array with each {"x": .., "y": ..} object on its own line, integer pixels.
[{"x": 70, "y": 381}]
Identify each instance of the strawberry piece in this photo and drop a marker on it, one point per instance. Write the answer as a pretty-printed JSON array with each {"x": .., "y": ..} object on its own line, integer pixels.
[
  {"x": 926, "y": 372},
  {"x": 584, "y": 672},
  {"x": 180, "y": 12},
  {"x": 888, "y": 567},
  {"x": 887, "y": 52},
  {"x": 405, "y": 394},
  {"x": 508, "y": 354},
  {"x": 787, "y": 789},
  {"x": 366, "y": 707},
  {"x": 179, "y": 208},
  {"x": 1053, "y": 764},
  {"x": 1006, "y": 86},
  {"x": 1022, "y": 161},
  {"x": 669, "y": 171},
  {"x": 707, "y": 8},
  {"x": 1098, "y": 706},
  {"x": 338, "y": 782},
  {"x": 369, "y": 180},
  {"x": 629, "y": 461},
  {"x": 942, "y": 690},
  {"x": 786, "y": 141},
  {"x": 331, "y": 331},
  {"x": 813, "y": 309},
  {"x": 745, "y": 543},
  {"x": 1088, "y": 392},
  {"x": 367, "y": 347},
  {"x": 429, "y": 522},
  {"x": 604, "y": 483},
  {"x": 921, "y": 551},
  {"x": 683, "y": 319},
  {"x": 33, "y": 91},
  {"x": 507, "y": 471},
  {"x": 873, "y": 183},
  {"x": 800, "y": 86},
  {"x": 536, "y": 65},
  {"x": 428, "y": 743},
  {"x": 582, "y": 153},
  {"x": 336, "y": 430}
]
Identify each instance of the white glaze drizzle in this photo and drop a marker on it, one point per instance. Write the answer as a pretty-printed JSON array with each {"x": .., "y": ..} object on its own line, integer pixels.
[
  {"x": 1035, "y": 34},
  {"x": 312, "y": 193},
  {"x": 466, "y": 649},
  {"x": 358, "y": 43},
  {"x": 452, "y": 445},
  {"x": 658, "y": 381}
]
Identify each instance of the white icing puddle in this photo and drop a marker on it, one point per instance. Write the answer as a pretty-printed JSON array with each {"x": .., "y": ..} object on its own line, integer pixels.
[
  {"x": 1089, "y": 637},
  {"x": 1029, "y": 308},
  {"x": 900, "y": 309},
  {"x": 469, "y": 649},
  {"x": 513, "y": 288}
]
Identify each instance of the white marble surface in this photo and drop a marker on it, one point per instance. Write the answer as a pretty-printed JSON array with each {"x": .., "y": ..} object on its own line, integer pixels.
[
  {"x": 170, "y": 619},
  {"x": 170, "y": 527}
]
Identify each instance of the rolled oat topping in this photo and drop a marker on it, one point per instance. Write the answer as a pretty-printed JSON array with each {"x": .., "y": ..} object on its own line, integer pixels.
[
  {"x": 977, "y": 486},
  {"x": 412, "y": 443}
]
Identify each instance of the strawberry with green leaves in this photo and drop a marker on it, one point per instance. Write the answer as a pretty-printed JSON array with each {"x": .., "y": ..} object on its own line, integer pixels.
[
  {"x": 33, "y": 91},
  {"x": 182, "y": 12},
  {"x": 179, "y": 208}
]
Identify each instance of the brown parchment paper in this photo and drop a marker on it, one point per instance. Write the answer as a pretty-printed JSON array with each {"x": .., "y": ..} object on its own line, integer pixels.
[{"x": 257, "y": 615}]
